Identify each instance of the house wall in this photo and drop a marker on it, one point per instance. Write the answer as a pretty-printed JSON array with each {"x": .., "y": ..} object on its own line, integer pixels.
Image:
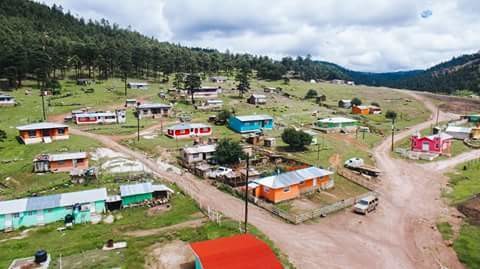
[
  {"x": 435, "y": 146},
  {"x": 135, "y": 199},
  {"x": 39, "y": 134},
  {"x": 251, "y": 126},
  {"x": 475, "y": 133},
  {"x": 67, "y": 165},
  {"x": 357, "y": 110},
  {"x": 33, "y": 218}
]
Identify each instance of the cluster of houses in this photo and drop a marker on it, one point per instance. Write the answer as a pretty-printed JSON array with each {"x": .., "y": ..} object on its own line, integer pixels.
[{"x": 77, "y": 207}]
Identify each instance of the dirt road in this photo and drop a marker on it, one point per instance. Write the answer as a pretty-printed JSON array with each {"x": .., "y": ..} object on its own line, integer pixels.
[{"x": 398, "y": 235}]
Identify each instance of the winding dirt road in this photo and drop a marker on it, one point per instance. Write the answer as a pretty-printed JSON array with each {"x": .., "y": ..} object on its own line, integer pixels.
[{"x": 399, "y": 234}]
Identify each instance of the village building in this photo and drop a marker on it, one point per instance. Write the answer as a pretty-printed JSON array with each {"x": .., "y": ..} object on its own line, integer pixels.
[
  {"x": 62, "y": 162},
  {"x": 320, "y": 99},
  {"x": 475, "y": 133},
  {"x": 458, "y": 132},
  {"x": 107, "y": 117},
  {"x": 45, "y": 132},
  {"x": 7, "y": 100},
  {"x": 198, "y": 153},
  {"x": 134, "y": 194},
  {"x": 375, "y": 110},
  {"x": 257, "y": 99},
  {"x": 189, "y": 130},
  {"x": 84, "y": 81},
  {"x": 138, "y": 85},
  {"x": 472, "y": 118},
  {"x": 218, "y": 79},
  {"x": 291, "y": 185},
  {"x": 153, "y": 110},
  {"x": 211, "y": 104},
  {"x": 204, "y": 93},
  {"x": 336, "y": 124},
  {"x": 80, "y": 207},
  {"x": 131, "y": 103},
  {"x": 235, "y": 252},
  {"x": 361, "y": 110},
  {"x": 351, "y": 83},
  {"x": 251, "y": 123},
  {"x": 269, "y": 89},
  {"x": 337, "y": 81},
  {"x": 438, "y": 144},
  {"x": 345, "y": 103}
]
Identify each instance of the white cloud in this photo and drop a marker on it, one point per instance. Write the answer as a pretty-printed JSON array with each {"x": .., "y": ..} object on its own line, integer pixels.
[{"x": 368, "y": 35}]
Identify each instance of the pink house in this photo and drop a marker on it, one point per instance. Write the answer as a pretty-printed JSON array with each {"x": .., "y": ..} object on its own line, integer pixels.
[{"x": 439, "y": 143}]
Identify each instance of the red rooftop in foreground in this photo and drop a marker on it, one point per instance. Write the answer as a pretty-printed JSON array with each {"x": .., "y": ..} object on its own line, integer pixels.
[{"x": 240, "y": 251}]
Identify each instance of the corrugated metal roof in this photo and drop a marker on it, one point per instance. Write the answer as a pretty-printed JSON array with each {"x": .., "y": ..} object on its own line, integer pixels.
[
  {"x": 458, "y": 129},
  {"x": 67, "y": 156},
  {"x": 443, "y": 136},
  {"x": 134, "y": 189},
  {"x": 200, "y": 149},
  {"x": 183, "y": 126},
  {"x": 41, "y": 125},
  {"x": 138, "y": 83},
  {"x": 293, "y": 177},
  {"x": 259, "y": 96},
  {"x": 153, "y": 106},
  {"x": 52, "y": 201},
  {"x": 336, "y": 120},
  {"x": 215, "y": 101},
  {"x": 161, "y": 187},
  {"x": 254, "y": 117},
  {"x": 2, "y": 95}
]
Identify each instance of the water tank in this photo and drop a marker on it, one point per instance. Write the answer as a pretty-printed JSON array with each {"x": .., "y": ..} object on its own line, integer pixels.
[{"x": 40, "y": 256}]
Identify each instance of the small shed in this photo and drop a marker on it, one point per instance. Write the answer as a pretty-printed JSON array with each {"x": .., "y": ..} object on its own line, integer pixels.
[
  {"x": 84, "y": 81},
  {"x": 458, "y": 132},
  {"x": 360, "y": 110},
  {"x": 345, "y": 103},
  {"x": 269, "y": 142},
  {"x": 136, "y": 193},
  {"x": 130, "y": 102},
  {"x": 257, "y": 99},
  {"x": 476, "y": 133},
  {"x": 320, "y": 99}
]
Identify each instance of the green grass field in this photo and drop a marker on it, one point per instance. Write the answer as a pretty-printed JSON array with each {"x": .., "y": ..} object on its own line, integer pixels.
[{"x": 465, "y": 182}]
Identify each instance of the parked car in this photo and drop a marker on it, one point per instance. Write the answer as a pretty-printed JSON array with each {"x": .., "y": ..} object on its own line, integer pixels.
[
  {"x": 220, "y": 171},
  {"x": 366, "y": 205}
]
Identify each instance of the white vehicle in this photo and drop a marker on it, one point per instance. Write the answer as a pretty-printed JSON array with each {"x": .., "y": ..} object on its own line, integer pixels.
[
  {"x": 366, "y": 205},
  {"x": 220, "y": 171}
]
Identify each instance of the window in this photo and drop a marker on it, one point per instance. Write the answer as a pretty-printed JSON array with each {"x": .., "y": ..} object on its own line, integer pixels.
[
  {"x": 61, "y": 131},
  {"x": 302, "y": 182},
  {"x": 287, "y": 189},
  {"x": 61, "y": 162},
  {"x": 266, "y": 189},
  {"x": 195, "y": 155},
  {"x": 69, "y": 207},
  {"x": 80, "y": 160},
  {"x": 31, "y": 213},
  {"x": 32, "y": 133},
  {"x": 16, "y": 215},
  {"x": 49, "y": 210}
]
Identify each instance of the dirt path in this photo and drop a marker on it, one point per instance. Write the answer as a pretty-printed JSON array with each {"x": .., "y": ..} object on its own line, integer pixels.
[
  {"x": 398, "y": 235},
  {"x": 187, "y": 224}
]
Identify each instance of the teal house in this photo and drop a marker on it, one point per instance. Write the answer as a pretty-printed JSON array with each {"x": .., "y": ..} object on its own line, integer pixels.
[
  {"x": 475, "y": 118},
  {"x": 33, "y": 211},
  {"x": 133, "y": 194},
  {"x": 251, "y": 123}
]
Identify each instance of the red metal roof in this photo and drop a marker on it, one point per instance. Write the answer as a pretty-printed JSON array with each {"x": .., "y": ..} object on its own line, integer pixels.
[{"x": 240, "y": 251}]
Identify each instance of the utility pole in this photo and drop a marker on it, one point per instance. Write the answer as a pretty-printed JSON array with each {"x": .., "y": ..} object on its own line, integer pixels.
[
  {"x": 318, "y": 154},
  {"x": 138, "y": 126},
  {"x": 246, "y": 194},
  {"x": 393, "y": 134},
  {"x": 125, "y": 80},
  {"x": 438, "y": 114},
  {"x": 42, "y": 93}
]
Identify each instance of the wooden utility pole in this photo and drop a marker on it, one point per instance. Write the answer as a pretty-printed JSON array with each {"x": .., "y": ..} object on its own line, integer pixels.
[
  {"x": 246, "y": 194},
  {"x": 438, "y": 114},
  {"x": 125, "y": 80},
  {"x": 393, "y": 134},
  {"x": 43, "y": 105},
  {"x": 138, "y": 126}
]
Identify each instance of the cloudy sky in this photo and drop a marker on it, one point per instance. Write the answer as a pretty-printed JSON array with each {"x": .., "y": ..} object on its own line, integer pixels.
[{"x": 365, "y": 35}]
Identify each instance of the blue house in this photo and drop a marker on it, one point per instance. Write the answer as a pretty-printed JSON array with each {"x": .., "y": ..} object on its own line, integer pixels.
[
  {"x": 33, "y": 211},
  {"x": 251, "y": 123}
]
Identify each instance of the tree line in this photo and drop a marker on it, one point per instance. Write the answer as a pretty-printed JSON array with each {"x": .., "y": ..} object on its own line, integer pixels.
[{"x": 47, "y": 43}]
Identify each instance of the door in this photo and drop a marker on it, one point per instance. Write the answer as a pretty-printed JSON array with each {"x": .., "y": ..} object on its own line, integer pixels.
[
  {"x": 8, "y": 221},
  {"x": 46, "y": 132},
  {"x": 74, "y": 163},
  {"x": 426, "y": 146},
  {"x": 92, "y": 207}
]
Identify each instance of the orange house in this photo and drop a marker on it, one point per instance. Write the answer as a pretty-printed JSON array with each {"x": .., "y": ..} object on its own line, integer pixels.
[
  {"x": 361, "y": 110},
  {"x": 44, "y": 132},
  {"x": 63, "y": 162},
  {"x": 290, "y": 185}
]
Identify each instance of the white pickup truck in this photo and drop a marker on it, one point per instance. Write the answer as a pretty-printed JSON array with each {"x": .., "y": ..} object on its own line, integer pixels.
[{"x": 220, "y": 171}]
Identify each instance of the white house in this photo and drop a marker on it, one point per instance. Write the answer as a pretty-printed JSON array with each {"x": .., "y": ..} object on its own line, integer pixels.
[
  {"x": 138, "y": 85},
  {"x": 459, "y": 132},
  {"x": 153, "y": 110},
  {"x": 198, "y": 153},
  {"x": 257, "y": 99},
  {"x": 7, "y": 100},
  {"x": 218, "y": 79},
  {"x": 186, "y": 130},
  {"x": 107, "y": 117}
]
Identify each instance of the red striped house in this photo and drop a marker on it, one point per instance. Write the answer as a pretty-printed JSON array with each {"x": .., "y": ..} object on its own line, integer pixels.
[{"x": 186, "y": 130}]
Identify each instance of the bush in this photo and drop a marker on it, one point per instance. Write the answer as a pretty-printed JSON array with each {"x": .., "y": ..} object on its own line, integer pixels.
[
  {"x": 229, "y": 152},
  {"x": 356, "y": 101},
  {"x": 392, "y": 115},
  {"x": 311, "y": 94},
  {"x": 297, "y": 140},
  {"x": 223, "y": 115}
]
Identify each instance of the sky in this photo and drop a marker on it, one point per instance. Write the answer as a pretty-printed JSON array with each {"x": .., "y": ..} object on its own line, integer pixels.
[{"x": 363, "y": 35}]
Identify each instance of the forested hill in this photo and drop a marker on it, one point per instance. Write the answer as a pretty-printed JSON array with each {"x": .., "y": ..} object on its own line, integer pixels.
[
  {"x": 460, "y": 73},
  {"x": 40, "y": 42}
]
